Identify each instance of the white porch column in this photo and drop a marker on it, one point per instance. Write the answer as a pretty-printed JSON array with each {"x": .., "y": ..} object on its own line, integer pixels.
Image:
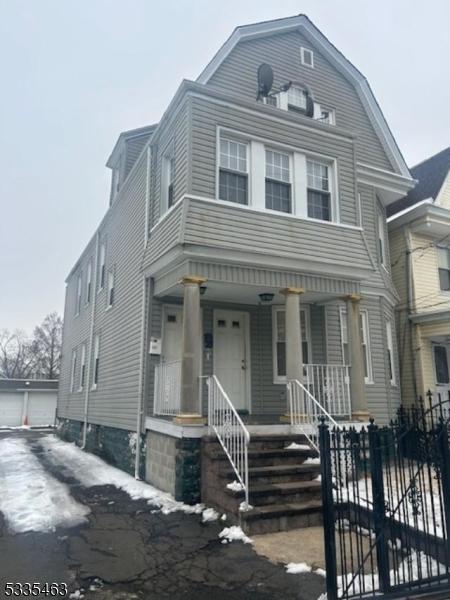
[
  {"x": 358, "y": 398},
  {"x": 294, "y": 357},
  {"x": 190, "y": 352}
]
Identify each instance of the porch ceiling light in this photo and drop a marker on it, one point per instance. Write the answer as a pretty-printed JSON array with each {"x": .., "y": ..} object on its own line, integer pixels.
[
  {"x": 266, "y": 297},
  {"x": 203, "y": 289}
]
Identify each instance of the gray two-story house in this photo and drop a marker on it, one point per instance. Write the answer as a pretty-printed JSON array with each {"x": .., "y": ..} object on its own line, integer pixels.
[{"x": 241, "y": 274}]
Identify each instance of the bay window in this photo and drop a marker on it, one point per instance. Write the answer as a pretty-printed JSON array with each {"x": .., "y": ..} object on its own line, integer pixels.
[
  {"x": 278, "y": 181},
  {"x": 233, "y": 174},
  {"x": 319, "y": 196}
]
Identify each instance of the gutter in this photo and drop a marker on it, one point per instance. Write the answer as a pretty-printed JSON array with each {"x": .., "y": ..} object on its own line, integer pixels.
[{"x": 91, "y": 340}]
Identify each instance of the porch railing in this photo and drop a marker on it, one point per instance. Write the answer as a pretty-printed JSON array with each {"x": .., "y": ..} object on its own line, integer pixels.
[
  {"x": 330, "y": 385},
  {"x": 306, "y": 412},
  {"x": 231, "y": 432},
  {"x": 167, "y": 395}
]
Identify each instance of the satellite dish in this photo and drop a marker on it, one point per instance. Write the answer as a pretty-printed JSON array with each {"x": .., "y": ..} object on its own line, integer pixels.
[{"x": 265, "y": 79}]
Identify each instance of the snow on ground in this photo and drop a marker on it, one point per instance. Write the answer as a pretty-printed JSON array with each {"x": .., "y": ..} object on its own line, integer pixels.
[
  {"x": 295, "y": 568},
  {"x": 30, "y": 498},
  {"x": 233, "y": 533},
  {"x": 235, "y": 486},
  {"x": 209, "y": 514},
  {"x": 295, "y": 446},
  {"x": 91, "y": 470}
]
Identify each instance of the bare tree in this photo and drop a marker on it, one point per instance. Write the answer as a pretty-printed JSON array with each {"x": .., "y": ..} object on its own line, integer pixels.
[
  {"x": 46, "y": 344},
  {"x": 17, "y": 355}
]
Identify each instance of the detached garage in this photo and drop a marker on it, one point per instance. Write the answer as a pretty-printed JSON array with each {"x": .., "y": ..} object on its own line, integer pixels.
[{"x": 27, "y": 402}]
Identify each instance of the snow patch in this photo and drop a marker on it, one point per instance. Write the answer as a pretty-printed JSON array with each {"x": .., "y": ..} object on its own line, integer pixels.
[
  {"x": 30, "y": 498},
  {"x": 232, "y": 534},
  {"x": 320, "y": 572},
  {"x": 295, "y": 568},
  {"x": 209, "y": 514},
  {"x": 312, "y": 461},
  {"x": 235, "y": 486},
  {"x": 295, "y": 446},
  {"x": 91, "y": 470}
]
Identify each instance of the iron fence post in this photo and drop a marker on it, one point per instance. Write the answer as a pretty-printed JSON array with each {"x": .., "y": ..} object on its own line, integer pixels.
[
  {"x": 379, "y": 506},
  {"x": 445, "y": 478},
  {"x": 328, "y": 511}
]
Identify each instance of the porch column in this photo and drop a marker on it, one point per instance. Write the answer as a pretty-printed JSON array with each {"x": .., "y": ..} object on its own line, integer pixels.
[
  {"x": 294, "y": 358},
  {"x": 358, "y": 398},
  {"x": 190, "y": 352}
]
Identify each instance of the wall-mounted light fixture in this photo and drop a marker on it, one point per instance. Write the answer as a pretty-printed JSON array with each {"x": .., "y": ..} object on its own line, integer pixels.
[
  {"x": 203, "y": 289},
  {"x": 266, "y": 297}
]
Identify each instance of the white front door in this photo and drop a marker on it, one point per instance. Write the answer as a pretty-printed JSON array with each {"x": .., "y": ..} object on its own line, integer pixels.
[
  {"x": 231, "y": 355},
  {"x": 172, "y": 332}
]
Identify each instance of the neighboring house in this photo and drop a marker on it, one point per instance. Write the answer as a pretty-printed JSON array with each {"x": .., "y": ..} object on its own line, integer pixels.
[
  {"x": 419, "y": 237},
  {"x": 28, "y": 402},
  {"x": 245, "y": 237}
]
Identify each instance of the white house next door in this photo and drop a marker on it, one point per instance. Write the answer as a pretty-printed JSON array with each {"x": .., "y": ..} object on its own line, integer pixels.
[{"x": 231, "y": 355}]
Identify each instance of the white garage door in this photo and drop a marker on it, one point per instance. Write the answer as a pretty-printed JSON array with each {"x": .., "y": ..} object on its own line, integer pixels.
[
  {"x": 11, "y": 406},
  {"x": 41, "y": 408}
]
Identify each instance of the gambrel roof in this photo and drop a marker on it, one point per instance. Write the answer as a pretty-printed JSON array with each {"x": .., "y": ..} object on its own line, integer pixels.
[{"x": 335, "y": 57}]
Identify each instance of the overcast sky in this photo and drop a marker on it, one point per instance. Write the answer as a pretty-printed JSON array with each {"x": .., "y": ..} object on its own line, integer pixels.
[{"x": 76, "y": 73}]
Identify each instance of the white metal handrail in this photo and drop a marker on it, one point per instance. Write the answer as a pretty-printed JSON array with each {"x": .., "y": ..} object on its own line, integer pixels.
[
  {"x": 330, "y": 385},
  {"x": 231, "y": 432},
  {"x": 306, "y": 412},
  {"x": 167, "y": 395}
]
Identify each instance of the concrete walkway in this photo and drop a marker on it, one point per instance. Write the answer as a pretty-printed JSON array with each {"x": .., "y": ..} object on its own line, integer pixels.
[{"x": 128, "y": 550}]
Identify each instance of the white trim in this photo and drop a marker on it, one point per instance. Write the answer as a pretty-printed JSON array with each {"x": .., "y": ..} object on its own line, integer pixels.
[
  {"x": 147, "y": 194},
  {"x": 247, "y": 349},
  {"x": 405, "y": 211},
  {"x": 433, "y": 359},
  {"x": 302, "y": 57},
  {"x": 382, "y": 250},
  {"x": 390, "y": 347},
  {"x": 88, "y": 282},
  {"x": 277, "y": 308},
  {"x": 335, "y": 57},
  {"x": 369, "y": 380},
  {"x": 82, "y": 366},
  {"x": 171, "y": 429},
  {"x": 96, "y": 357},
  {"x": 79, "y": 294},
  {"x": 73, "y": 371}
]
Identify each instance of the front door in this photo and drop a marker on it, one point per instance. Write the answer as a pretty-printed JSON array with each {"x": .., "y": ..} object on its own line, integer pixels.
[{"x": 231, "y": 355}]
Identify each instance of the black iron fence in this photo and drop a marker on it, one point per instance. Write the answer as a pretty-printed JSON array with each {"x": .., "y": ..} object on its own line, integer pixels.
[{"x": 386, "y": 496}]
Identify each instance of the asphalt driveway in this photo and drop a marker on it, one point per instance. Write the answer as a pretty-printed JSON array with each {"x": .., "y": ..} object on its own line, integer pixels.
[{"x": 129, "y": 549}]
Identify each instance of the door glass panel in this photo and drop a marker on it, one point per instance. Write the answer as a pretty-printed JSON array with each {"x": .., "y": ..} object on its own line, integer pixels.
[
  {"x": 221, "y": 323},
  {"x": 441, "y": 362}
]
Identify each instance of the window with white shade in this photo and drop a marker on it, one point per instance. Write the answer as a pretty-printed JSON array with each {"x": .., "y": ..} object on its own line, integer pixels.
[
  {"x": 82, "y": 367},
  {"x": 168, "y": 181},
  {"x": 319, "y": 190},
  {"x": 96, "y": 362},
  {"x": 73, "y": 371},
  {"x": 364, "y": 325},
  {"x": 279, "y": 341},
  {"x": 233, "y": 171},
  {"x": 88, "y": 282},
  {"x": 381, "y": 239},
  {"x": 278, "y": 181},
  {"x": 390, "y": 352},
  {"x": 444, "y": 268},
  {"x": 78, "y": 296},
  {"x": 110, "y": 288}
]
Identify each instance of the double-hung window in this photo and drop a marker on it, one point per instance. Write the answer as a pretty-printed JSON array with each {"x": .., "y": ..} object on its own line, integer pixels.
[
  {"x": 88, "y": 282},
  {"x": 279, "y": 341},
  {"x": 78, "y": 298},
  {"x": 82, "y": 367},
  {"x": 441, "y": 363},
  {"x": 96, "y": 361},
  {"x": 364, "y": 324},
  {"x": 444, "y": 268},
  {"x": 278, "y": 181},
  {"x": 102, "y": 266},
  {"x": 390, "y": 352},
  {"x": 110, "y": 288},
  {"x": 381, "y": 240},
  {"x": 233, "y": 171},
  {"x": 168, "y": 180},
  {"x": 319, "y": 190},
  {"x": 73, "y": 371}
]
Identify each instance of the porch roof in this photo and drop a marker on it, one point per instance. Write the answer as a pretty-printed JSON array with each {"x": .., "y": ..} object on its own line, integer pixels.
[{"x": 239, "y": 283}]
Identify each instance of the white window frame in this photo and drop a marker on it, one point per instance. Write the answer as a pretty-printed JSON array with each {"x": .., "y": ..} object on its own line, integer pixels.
[
  {"x": 82, "y": 368},
  {"x": 167, "y": 177},
  {"x": 440, "y": 250},
  {"x": 381, "y": 239},
  {"x": 305, "y": 309},
  {"x": 290, "y": 182},
  {"x": 433, "y": 358},
  {"x": 102, "y": 266},
  {"x": 366, "y": 340},
  {"x": 239, "y": 139},
  {"x": 96, "y": 362},
  {"x": 332, "y": 184},
  {"x": 110, "y": 288},
  {"x": 390, "y": 347},
  {"x": 89, "y": 282},
  {"x": 304, "y": 50},
  {"x": 73, "y": 369},
  {"x": 79, "y": 293}
]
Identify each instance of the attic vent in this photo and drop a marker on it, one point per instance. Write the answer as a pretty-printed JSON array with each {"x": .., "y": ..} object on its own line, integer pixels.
[{"x": 307, "y": 57}]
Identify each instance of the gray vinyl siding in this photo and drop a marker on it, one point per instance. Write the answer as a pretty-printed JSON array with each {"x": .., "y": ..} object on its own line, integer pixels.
[
  {"x": 114, "y": 402},
  {"x": 133, "y": 149},
  {"x": 237, "y": 75},
  {"x": 207, "y": 116}
]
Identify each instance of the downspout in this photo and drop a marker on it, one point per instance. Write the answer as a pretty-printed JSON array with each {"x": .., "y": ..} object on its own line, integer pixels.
[{"x": 91, "y": 340}]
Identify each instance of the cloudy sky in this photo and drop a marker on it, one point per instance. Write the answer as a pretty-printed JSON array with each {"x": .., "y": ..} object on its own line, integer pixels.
[{"x": 74, "y": 73}]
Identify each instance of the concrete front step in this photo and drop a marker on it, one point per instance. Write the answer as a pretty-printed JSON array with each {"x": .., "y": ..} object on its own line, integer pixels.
[
  {"x": 276, "y": 493},
  {"x": 265, "y": 441},
  {"x": 282, "y": 517},
  {"x": 267, "y": 457},
  {"x": 277, "y": 474}
]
